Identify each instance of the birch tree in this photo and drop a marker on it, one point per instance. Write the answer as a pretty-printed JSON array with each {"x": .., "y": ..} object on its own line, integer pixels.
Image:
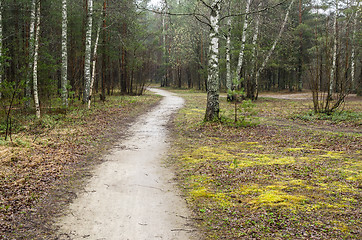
[
  {"x": 212, "y": 108},
  {"x": 271, "y": 50},
  {"x": 64, "y": 73},
  {"x": 88, "y": 45},
  {"x": 94, "y": 65},
  {"x": 334, "y": 54},
  {"x": 254, "y": 51},
  {"x": 243, "y": 41},
  {"x": 35, "y": 63},
  {"x": 31, "y": 52},
  {"x": 228, "y": 57}
]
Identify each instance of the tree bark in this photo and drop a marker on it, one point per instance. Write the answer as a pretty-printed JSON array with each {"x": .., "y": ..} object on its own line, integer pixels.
[
  {"x": 266, "y": 60},
  {"x": 94, "y": 60},
  {"x": 212, "y": 108},
  {"x": 300, "y": 58},
  {"x": 1, "y": 43},
  {"x": 228, "y": 57},
  {"x": 64, "y": 74},
  {"x": 250, "y": 89},
  {"x": 243, "y": 41},
  {"x": 31, "y": 53},
  {"x": 334, "y": 57},
  {"x": 353, "y": 51},
  {"x": 87, "y": 60},
  {"x": 35, "y": 64}
]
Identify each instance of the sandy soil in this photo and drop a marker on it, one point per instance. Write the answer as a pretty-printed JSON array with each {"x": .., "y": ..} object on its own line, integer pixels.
[{"x": 132, "y": 195}]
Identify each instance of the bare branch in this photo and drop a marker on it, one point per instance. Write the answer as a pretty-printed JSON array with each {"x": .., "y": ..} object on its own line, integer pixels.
[{"x": 257, "y": 11}]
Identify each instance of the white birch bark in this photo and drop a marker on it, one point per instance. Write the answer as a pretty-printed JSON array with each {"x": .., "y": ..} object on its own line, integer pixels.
[
  {"x": 1, "y": 44},
  {"x": 212, "y": 108},
  {"x": 31, "y": 52},
  {"x": 88, "y": 50},
  {"x": 334, "y": 57},
  {"x": 64, "y": 74},
  {"x": 94, "y": 65},
  {"x": 271, "y": 50},
  {"x": 228, "y": 57},
  {"x": 35, "y": 63},
  {"x": 254, "y": 43},
  {"x": 243, "y": 40}
]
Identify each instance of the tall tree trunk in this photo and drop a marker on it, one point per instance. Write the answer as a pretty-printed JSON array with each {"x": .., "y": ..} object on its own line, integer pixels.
[
  {"x": 35, "y": 64},
  {"x": 243, "y": 41},
  {"x": 31, "y": 52},
  {"x": 228, "y": 57},
  {"x": 353, "y": 51},
  {"x": 104, "y": 65},
  {"x": 212, "y": 108},
  {"x": 300, "y": 57},
  {"x": 87, "y": 60},
  {"x": 94, "y": 61},
  {"x": 250, "y": 89},
  {"x": 334, "y": 57},
  {"x": 1, "y": 43},
  {"x": 64, "y": 76},
  {"x": 266, "y": 59},
  {"x": 165, "y": 56}
]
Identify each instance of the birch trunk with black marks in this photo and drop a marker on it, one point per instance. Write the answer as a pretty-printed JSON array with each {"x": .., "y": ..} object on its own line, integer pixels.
[
  {"x": 94, "y": 65},
  {"x": 228, "y": 57},
  {"x": 64, "y": 74},
  {"x": 271, "y": 50},
  {"x": 212, "y": 108},
  {"x": 334, "y": 56},
  {"x": 35, "y": 63},
  {"x": 31, "y": 53},
  {"x": 250, "y": 89},
  {"x": 243, "y": 41},
  {"x": 88, "y": 50}
]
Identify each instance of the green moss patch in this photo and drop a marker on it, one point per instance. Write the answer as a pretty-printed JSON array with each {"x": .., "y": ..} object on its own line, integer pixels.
[{"x": 279, "y": 180}]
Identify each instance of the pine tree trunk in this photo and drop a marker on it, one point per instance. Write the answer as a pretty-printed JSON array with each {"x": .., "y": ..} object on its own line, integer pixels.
[
  {"x": 64, "y": 76},
  {"x": 266, "y": 59},
  {"x": 300, "y": 57},
  {"x": 353, "y": 51},
  {"x": 35, "y": 64},
  {"x": 88, "y": 45},
  {"x": 212, "y": 109}
]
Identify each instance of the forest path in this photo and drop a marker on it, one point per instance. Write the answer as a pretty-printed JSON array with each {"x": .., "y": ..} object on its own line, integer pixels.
[{"x": 132, "y": 195}]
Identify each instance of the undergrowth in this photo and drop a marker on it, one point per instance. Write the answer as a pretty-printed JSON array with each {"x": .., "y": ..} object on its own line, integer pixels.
[{"x": 269, "y": 181}]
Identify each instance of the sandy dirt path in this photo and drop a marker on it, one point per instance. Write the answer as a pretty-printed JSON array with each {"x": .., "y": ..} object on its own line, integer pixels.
[{"x": 132, "y": 195}]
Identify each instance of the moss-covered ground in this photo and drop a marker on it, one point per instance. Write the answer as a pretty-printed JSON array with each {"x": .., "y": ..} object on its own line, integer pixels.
[{"x": 287, "y": 177}]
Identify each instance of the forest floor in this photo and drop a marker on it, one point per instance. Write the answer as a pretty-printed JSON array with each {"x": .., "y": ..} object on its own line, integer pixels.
[
  {"x": 49, "y": 160},
  {"x": 284, "y": 173}
]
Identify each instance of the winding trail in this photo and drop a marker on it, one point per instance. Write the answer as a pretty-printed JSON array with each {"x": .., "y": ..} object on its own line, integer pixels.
[{"x": 132, "y": 196}]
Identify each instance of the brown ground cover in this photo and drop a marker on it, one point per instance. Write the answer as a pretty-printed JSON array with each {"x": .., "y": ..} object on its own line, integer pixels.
[{"x": 44, "y": 166}]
